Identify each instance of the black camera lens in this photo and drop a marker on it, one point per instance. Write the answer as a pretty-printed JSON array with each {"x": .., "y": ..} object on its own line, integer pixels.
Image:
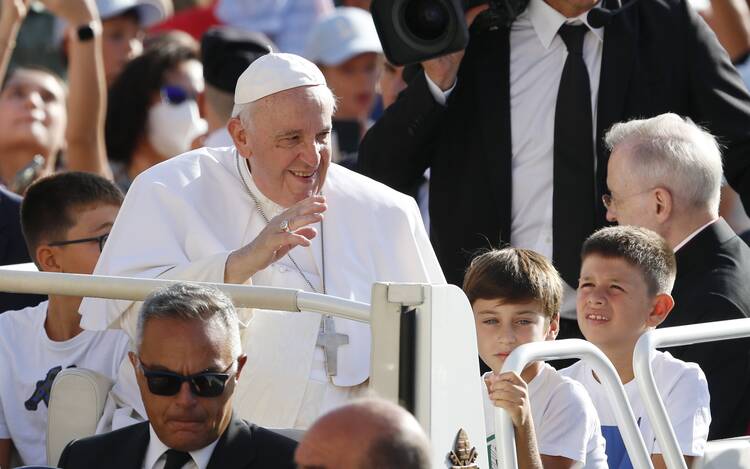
[{"x": 426, "y": 19}]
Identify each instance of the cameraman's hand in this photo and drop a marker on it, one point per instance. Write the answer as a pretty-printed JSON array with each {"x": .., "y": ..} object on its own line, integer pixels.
[{"x": 443, "y": 70}]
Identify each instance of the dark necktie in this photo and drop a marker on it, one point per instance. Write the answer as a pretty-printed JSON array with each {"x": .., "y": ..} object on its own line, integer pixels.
[
  {"x": 176, "y": 459},
  {"x": 573, "y": 201}
]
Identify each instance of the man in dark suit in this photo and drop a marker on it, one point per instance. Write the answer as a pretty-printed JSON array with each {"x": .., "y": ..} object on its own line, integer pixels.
[
  {"x": 665, "y": 174},
  {"x": 13, "y": 248},
  {"x": 505, "y": 168},
  {"x": 188, "y": 363}
]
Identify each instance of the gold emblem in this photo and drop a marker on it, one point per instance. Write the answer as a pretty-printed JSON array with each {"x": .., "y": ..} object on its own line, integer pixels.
[{"x": 463, "y": 455}]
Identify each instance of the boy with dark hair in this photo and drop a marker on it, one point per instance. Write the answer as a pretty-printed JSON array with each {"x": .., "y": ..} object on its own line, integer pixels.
[
  {"x": 515, "y": 295},
  {"x": 65, "y": 219},
  {"x": 626, "y": 276}
]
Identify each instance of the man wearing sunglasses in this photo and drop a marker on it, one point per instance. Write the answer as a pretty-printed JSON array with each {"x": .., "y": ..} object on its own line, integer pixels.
[
  {"x": 65, "y": 219},
  {"x": 187, "y": 362}
]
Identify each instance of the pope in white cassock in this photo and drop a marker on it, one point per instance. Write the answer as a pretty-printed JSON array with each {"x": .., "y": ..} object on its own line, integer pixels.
[{"x": 271, "y": 210}]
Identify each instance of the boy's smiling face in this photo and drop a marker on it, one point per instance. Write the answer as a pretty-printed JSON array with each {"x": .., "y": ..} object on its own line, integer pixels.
[
  {"x": 501, "y": 327},
  {"x": 613, "y": 304}
]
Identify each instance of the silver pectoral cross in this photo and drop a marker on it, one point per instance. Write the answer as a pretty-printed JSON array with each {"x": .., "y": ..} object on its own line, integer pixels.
[{"x": 330, "y": 340}]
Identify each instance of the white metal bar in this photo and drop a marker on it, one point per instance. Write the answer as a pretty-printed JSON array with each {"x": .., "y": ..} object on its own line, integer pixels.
[
  {"x": 644, "y": 376},
  {"x": 136, "y": 289},
  {"x": 605, "y": 371}
]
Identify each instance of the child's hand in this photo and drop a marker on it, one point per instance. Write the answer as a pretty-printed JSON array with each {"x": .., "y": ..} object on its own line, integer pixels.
[{"x": 509, "y": 392}]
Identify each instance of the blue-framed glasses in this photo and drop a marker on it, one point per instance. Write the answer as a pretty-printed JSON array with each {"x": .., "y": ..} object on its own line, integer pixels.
[{"x": 205, "y": 384}]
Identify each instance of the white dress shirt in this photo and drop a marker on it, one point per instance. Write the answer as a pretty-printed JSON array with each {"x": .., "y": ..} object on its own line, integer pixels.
[
  {"x": 156, "y": 456},
  {"x": 537, "y": 56}
]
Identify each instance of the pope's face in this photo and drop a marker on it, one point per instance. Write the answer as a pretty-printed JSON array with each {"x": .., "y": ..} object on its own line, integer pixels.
[{"x": 287, "y": 143}]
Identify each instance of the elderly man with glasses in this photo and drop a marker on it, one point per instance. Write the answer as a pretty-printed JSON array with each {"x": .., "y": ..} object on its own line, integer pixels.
[
  {"x": 188, "y": 360},
  {"x": 65, "y": 219}
]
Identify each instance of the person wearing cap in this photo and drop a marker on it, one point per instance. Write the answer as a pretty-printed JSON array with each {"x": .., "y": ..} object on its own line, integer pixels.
[
  {"x": 225, "y": 52},
  {"x": 124, "y": 23},
  {"x": 271, "y": 210},
  {"x": 346, "y": 47}
]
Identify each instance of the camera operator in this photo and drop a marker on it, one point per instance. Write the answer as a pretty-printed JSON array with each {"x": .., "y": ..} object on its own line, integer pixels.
[{"x": 512, "y": 127}]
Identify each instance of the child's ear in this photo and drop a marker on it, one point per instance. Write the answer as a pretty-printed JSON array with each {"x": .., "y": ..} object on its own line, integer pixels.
[
  {"x": 46, "y": 260},
  {"x": 663, "y": 304},
  {"x": 554, "y": 327}
]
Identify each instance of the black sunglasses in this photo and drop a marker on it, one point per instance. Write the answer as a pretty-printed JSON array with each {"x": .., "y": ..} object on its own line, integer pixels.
[
  {"x": 99, "y": 239},
  {"x": 206, "y": 384}
]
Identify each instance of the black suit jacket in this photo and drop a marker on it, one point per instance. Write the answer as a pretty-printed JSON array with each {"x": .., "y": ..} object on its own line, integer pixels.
[
  {"x": 658, "y": 56},
  {"x": 13, "y": 248},
  {"x": 241, "y": 446},
  {"x": 713, "y": 284}
]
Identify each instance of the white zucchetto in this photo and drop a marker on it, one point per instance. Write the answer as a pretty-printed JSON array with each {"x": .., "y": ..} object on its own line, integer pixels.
[{"x": 273, "y": 73}]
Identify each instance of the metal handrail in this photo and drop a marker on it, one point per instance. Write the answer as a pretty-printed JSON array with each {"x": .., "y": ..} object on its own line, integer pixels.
[
  {"x": 605, "y": 371},
  {"x": 644, "y": 375},
  {"x": 136, "y": 289}
]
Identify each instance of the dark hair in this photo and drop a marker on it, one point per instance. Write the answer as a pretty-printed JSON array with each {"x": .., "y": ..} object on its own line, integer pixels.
[
  {"x": 639, "y": 247},
  {"x": 388, "y": 452},
  {"x": 47, "y": 208},
  {"x": 514, "y": 275},
  {"x": 131, "y": 93},
  {"x": 34, "y": 68}
]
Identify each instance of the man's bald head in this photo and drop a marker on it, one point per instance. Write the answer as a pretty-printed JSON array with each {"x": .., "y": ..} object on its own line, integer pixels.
[{"x": 369, "y": 433}]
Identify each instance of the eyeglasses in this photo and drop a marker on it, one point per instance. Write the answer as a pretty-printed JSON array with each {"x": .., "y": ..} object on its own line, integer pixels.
[
  {"x": 610, "y": 202},
  {"x": 99, "y": 239},
  {"x": 206, "y": 384},
  {"x": 174, "y": 94}
]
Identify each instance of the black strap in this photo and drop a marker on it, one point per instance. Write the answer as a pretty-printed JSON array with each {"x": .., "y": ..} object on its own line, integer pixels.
[
  {"x": 573, "y": 202},
  {"x": 176, "y": 459}
]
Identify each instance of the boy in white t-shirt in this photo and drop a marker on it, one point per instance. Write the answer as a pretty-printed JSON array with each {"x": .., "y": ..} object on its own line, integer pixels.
[
  {"x": 515, "y": 295},
  {"x": 66, "y": 219},
  {"x": 626, "y": 276}
]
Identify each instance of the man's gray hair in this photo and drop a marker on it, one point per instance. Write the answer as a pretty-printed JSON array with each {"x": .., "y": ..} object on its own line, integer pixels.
[
  {"x": 190, "y": 302},
  {"x": 675, "y": 153}
]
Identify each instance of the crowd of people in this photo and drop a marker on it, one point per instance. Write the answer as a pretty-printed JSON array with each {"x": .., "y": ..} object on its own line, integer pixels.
[{"x": 571, "y": 180}]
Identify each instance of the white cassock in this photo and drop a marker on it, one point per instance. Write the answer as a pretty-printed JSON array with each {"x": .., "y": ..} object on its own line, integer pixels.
[{"x": 183, "y": 217}]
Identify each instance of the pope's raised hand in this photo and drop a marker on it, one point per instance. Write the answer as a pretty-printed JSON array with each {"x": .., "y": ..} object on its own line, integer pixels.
[{"x": 291, "y": 228}]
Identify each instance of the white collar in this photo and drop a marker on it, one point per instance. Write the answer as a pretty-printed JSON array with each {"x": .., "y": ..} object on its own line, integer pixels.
[
  {"x": 156, "y": 449},
  {"x": 270, "y": 208},
  {"x": 547, "y": 21},
  {"x": 694, "y": 234}
]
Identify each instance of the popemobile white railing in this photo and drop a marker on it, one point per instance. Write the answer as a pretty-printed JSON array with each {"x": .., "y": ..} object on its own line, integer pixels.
[
  {"x": 605, "y": 371},
  {"x": 644, "y": 376},
  {"x": 135, "y": 289}
]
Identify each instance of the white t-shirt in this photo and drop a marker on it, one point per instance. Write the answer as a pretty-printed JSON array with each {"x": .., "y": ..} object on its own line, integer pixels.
[
  {"x": 29, "y": 362},
  {"x": 564, "y": 419},
  {"x": 682, "y": 387}
]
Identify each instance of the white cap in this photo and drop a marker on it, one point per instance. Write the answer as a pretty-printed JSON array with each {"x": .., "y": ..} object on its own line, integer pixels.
[
  {"x": 337, "y": 37},
  {"x": 150, "y": 12},
  {"x": 273, "y": 73}
]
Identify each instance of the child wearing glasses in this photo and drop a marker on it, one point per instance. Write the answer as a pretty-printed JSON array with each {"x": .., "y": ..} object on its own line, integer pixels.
[{"x": 66, "y": 218}]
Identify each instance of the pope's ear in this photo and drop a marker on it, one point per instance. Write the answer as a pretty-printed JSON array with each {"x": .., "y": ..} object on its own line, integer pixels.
[{"x": 239, "y": 136}]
